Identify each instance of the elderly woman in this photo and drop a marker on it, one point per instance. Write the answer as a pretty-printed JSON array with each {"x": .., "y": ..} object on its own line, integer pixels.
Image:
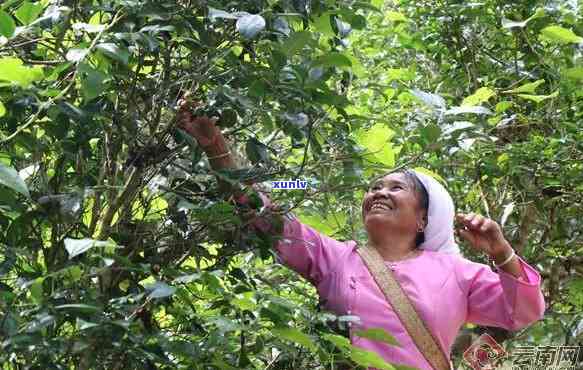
[{"x": 409, "y": 219}]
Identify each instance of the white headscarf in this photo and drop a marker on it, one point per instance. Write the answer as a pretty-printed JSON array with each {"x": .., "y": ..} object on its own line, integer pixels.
[{"x": 440, "y": 216}]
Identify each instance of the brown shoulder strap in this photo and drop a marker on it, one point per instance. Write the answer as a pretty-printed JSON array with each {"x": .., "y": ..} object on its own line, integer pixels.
[{"x": 400, "y": 302}]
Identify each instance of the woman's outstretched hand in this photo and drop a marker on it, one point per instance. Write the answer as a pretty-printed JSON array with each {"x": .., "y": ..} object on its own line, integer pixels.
[
  {"x": 484, "y": 235},
  {"x": 202, "y": 128},
  {"x": 209, "y": 137}
]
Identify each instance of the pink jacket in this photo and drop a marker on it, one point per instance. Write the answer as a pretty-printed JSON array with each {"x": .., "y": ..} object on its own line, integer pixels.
[{"x": 446, "y": 289}]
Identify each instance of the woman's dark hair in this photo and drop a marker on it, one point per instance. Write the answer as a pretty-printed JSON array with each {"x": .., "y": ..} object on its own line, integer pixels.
[{"x": 423, "y": 199}]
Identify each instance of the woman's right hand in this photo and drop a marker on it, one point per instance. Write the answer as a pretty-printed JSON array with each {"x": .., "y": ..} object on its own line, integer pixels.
[
  {"x": 202, "y": 128},
  {"x": 210, "y": 138}
]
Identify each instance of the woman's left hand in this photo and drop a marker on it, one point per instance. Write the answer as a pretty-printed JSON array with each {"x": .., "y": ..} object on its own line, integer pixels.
[{"x": 484, "y": 235}]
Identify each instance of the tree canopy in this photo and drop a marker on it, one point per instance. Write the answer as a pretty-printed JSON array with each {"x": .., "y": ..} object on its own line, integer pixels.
[{"x": 117, "y": 250}]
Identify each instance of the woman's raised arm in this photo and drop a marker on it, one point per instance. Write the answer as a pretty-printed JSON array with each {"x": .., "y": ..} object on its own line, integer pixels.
[
  {"x": 511, "y": 298},
  {"x": 299, "y": 246}
]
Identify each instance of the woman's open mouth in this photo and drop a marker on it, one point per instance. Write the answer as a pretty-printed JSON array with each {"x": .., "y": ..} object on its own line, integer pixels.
[{"x": 380, "y": 207}]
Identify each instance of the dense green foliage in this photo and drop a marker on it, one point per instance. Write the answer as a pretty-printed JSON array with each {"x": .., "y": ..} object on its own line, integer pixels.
[{"x": 116, "y": 251}]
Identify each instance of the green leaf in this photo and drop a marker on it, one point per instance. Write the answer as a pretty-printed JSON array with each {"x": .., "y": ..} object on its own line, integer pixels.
[
  {"x": 36, "y": 289},
  {"x": 76, "y": 54},
  {"x": 7, "y": 260},
  {"x": 526, "y": 88},
  {"x": 225, "y": 324},
  {"x": 296, "y": 42},
  {"x": 464, "y": 110},
  {"x": 245, "y": 301},
  {"x": 329, "y": 225},
  {"x": 160, "y": 289},
  {"x": 9, "y": 325},
  {"x": 432, "y": 132},
  {"x": 400, "y": 74},
  {"x": 357, "y": 68},
  {"x": 114, "y": 52},
  {"x": 76, "y": 247},
  {"x": 334, "y": 59},
  {"x": 432, "y": 100},
  {"x": 9, "y": 177},
  {"x": 295, "y": 336},
  {"x": 79, "y": 307},
  {"x": 575, "y": 73},
  {"x": 28, "y": 12},
  {"x": 483, "y": 94},
  {"x": 14, "y": 71},
  {"x": 507, "y": 23},
  {"x": 395, "y": 16},
  {"x": 369, "y": 359},
  {"x": 222, "y": 365},
  {"x": 575, "y": 297},
  {"x": 560, "y": 35},
  {"x": 7, "y": 25},
  {"x": 256, "y": 151},
  {"x": 250, "y": 25},
  {"x": 88, "y": 27},
  {"x": 503, "y": 106},
  {"x": 72, "y": 274},
  {"x": 297, "y": 119},
  {"x": 282, "y": 26},
  {"x": 187, "y": 278},
  {"x": 316, "y": 222},
  {"x": 457, "y": 126},
  {"x": 41, "y": 322},
  {"x": 377, "y": 3},
  {"x": 322, "y": 25},
  {"x": 539, "y": 98},
  {"x": 93, "y": 82},
  {"x": 82, "y": 324},
  {"x": 220, "y": 14},
  {"x": 356, "y": 21},
  {"x": 339, "y": 341},
  {"x": 377, "y": 142},
  {"x": 2, "y": 109},
  {"x": 99, "y": 17},
  {"x": 377, "y": 334}
]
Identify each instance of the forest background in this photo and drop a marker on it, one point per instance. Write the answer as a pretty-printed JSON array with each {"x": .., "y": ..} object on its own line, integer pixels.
[{"x": 116, "y": 249}]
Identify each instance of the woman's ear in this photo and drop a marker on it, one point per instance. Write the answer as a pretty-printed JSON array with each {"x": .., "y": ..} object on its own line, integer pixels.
[{"x": 422, "y": 223}]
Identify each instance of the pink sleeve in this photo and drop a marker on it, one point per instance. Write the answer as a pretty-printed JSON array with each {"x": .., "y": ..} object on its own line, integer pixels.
[
  {"x": 307, "y": 251},
  {"x": 301, "y": 247},
  {"x": 500, "y": 299}
]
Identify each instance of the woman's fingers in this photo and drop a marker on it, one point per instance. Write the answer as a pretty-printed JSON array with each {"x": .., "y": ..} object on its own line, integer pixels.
[
  {"x": 465, "y": 218},
  {"x": 469, "y": 237},
  {"x": 487, "y": 226},
  {"x": 184, "y": 117},
  {"x": 482, "y": 233},
  {"x": 473, "y": 237},
  {"x": 466, "y": 235},
  {"x": 477, "y": 222},
  {"x": 471, "y": 221},
  {"x": 202, "y": 128},
  {"x": 186, "y": 120}
]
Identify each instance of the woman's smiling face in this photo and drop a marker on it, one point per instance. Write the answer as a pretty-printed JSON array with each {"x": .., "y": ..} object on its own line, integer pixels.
[{"x": 393, "y": 202}]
